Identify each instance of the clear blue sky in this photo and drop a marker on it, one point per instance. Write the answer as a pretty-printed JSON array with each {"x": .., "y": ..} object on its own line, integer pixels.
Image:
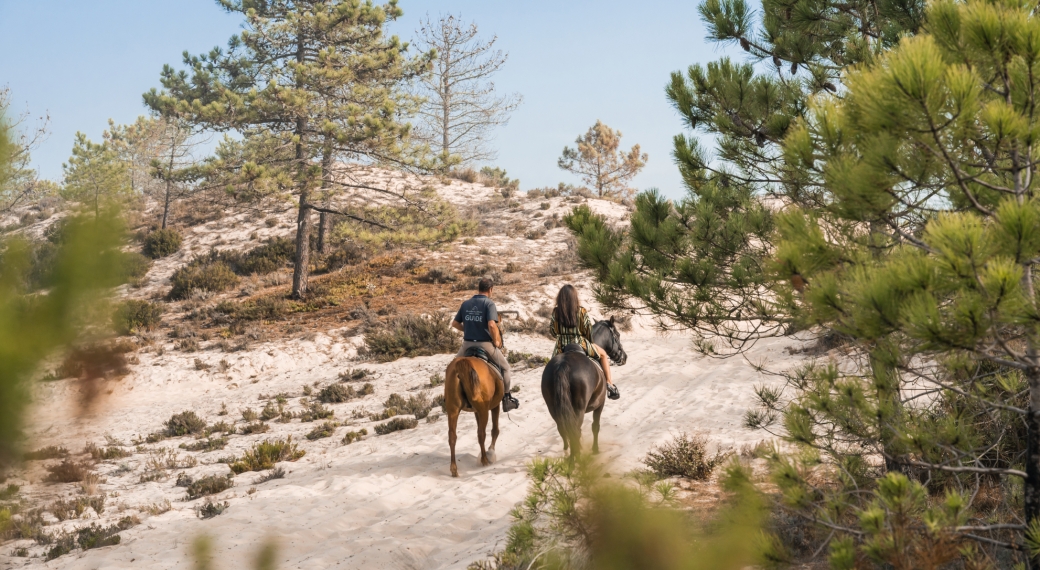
[{"x": 574, "y": 62}]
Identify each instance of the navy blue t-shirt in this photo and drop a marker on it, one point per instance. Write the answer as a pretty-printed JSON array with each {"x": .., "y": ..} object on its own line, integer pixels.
[{"x": 474, "y": 315}]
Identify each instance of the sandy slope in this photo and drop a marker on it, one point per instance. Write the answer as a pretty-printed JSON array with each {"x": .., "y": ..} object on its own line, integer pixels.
[{"x": 387, "y": 501}]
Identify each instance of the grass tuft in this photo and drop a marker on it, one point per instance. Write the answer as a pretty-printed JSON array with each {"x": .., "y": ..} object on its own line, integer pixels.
[{"x": 210, "y": 485}]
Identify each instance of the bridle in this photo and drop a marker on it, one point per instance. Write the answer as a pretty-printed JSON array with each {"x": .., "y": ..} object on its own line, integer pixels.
[{"x": 614, "y": 350}]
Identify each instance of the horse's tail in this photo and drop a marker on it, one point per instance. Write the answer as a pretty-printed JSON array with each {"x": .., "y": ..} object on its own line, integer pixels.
[
  {"x": 469, "y": 380},
  {"x": 567, "y": 416}
]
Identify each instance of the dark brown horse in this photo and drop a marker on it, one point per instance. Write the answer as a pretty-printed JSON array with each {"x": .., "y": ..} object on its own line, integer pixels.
[
  {"x": 573, "y": 384},
  {"x": 471, "y": 386}
]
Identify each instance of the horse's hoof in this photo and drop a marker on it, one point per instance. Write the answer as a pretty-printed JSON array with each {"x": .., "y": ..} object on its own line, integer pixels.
[
  {"x": 595, "y": 451},
  {"x": 454, "y": 471},
  {"x": 491, "y": 456},
  {"x": 484, "y": 461}
]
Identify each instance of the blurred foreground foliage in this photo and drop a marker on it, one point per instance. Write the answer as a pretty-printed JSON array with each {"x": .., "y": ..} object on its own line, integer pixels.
[
  {"x": 573, "y": 517},
  {"x": 86, "y": 267}
]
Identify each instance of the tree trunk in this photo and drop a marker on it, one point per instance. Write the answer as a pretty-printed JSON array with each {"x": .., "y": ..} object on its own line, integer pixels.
[
  {"x": 886, "y": 384},
  {"x": 1031, "y": 492},
  {"x": 169, "y": 187},
  {"x": 445, "y": 107},
  {"x": 324, "y": 219},
  {"x": 301, "y": 266}
]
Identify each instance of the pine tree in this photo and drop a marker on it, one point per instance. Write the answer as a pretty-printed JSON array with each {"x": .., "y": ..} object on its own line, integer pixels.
[
  {"x": 305, "y": 76},
  {"x": 599, "y": 162},
  {"x": 94, "y": 175}
]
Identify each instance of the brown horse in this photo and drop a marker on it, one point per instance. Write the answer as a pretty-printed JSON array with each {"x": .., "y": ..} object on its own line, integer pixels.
[{"x": 471, "y": 386}]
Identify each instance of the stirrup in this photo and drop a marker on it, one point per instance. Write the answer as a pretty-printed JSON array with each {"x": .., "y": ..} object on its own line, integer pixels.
[{"x": 509, "y": 403}]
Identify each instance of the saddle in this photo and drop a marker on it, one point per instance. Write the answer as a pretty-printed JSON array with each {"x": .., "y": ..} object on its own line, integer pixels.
[
  {"x": 477, "y": 352},
  {"x": 575, "y": 347}
]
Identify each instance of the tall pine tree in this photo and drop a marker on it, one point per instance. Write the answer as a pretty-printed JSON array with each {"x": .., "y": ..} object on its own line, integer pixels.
[{"x": 306, "y": 77}]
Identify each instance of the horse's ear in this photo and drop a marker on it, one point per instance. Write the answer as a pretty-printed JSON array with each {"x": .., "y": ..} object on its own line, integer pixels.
[{"x": 611, "y": 320}]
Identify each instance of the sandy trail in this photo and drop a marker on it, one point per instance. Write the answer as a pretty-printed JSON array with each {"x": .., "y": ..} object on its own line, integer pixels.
[{"x": 389, "y": 502}]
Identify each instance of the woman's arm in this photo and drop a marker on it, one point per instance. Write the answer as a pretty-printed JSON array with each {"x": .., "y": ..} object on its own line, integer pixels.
[{"x": 554, "y": 329}]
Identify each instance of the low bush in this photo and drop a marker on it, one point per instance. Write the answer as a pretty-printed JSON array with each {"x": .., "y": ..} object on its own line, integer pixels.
[
  {"x": 315, "y": 411},
  {"x": 75, "y": 507},
  {"x": 105, "y": 453},
  {"x": 249, "y": 415},
  {"x": 133, "y": 315},
  {"x": 67, "y": 471},
  {"x": 210, "y": 509},
  {"x": 409, "y": 336},
  {"x": 208, "y": 444},
  {"x": 685, "y": 456},
  {"x": 210, "y": 485},
  {"x": 354, "y": 375},
  {"x": 352, "y": 436},
  {"x": 270, "y": 412},
  {"x": 184, "y": 423},
  {"x": 418, "y": 405},
  {"x": 396, "y": 424},
  {"x": 255, "y": 427},
  {"x": 438, "y": 275},
  {"x": 324, "y": 430},
  {"x": 133, "y": 266},
  {"x": 265, "y": 454},
  {"x": 276, "y": 473},
  {"x": 267, "y": 258},
  {"x": 338, "y": 393},
  {"x": 161, "y": 243},
  {"x": 261, "y": 309},
  {"x": 49, "y": 452},
  {"x": 202, "y": 274}
]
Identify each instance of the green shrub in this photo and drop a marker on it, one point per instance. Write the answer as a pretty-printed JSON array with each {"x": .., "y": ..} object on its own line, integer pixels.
[
  {"x": 267, "y": 258},
  {"x": 210, "y": 485},
  {"x": 409, "y": 336},
  {"x": 184, "y": 423},
  {"x": 133, "y": 266},
  {"x": 202, "y": 274},
  {"x": 134, "y": 315},
  {"x": 262, "y": 309},
  {"x": 265, "y": 454},
  {"x": 686, "y": 457},
  {"x": 397, "y": 424},
  {"x": 161, "y": 243},
  {"x": 324, "y": 430}
]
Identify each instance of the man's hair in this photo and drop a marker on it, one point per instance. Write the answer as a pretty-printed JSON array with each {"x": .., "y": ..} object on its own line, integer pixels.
[{"x": 485, "y": 285}]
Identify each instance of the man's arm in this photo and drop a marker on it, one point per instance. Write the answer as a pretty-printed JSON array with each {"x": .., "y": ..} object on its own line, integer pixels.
[
  {"x": 457, "y": 326},
  {"x": 496, "y": 335}
]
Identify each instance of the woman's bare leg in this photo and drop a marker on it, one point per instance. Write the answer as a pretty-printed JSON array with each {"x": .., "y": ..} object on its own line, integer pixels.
[{"x": 604, "y": 361}]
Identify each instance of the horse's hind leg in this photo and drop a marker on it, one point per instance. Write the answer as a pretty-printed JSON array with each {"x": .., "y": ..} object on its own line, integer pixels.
[
  {"x": 595, "y": 428},
  {"x": 482, "y": 421},
  {"x": 575, "y": 433},
  {"x": 563, "y": 434},
  {"x": 453, "y": 422}
]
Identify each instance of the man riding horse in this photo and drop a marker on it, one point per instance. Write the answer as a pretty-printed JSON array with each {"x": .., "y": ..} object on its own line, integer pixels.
[{"x": 477, "y": 319}]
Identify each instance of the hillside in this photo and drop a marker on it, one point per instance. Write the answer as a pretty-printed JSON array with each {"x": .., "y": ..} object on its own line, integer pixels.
[{"x": 384, "y": 500}]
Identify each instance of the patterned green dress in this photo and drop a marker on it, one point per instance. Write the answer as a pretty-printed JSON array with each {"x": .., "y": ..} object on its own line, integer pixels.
[{"x": 580, "y": 335}]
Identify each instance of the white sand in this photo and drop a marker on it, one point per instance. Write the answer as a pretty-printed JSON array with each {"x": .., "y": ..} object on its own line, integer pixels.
[{"x": 387, "y": 501}]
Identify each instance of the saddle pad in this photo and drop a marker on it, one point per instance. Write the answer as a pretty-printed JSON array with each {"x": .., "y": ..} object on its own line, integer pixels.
[{"x": 477, "y": 352}]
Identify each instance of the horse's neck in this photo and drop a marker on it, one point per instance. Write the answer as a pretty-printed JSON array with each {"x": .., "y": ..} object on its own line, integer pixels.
[{"x": 602, "y": 337}]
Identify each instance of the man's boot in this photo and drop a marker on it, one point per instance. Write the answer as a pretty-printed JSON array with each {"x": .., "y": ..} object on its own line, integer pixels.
[{"x": 509, "y": 403}]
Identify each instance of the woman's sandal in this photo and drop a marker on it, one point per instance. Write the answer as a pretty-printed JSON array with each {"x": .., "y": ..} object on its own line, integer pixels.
[{"x": 612, "y": 392}]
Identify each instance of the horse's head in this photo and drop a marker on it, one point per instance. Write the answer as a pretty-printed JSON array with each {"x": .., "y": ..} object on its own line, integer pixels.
[{"x": 605, "y": 334}]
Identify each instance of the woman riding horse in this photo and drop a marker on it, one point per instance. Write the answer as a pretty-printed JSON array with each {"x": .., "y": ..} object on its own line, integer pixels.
[{"x": 571, "y": 324}]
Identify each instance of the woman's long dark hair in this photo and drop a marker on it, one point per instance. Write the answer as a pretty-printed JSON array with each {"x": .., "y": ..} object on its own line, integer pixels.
[{"x": 566, "y": 311}]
